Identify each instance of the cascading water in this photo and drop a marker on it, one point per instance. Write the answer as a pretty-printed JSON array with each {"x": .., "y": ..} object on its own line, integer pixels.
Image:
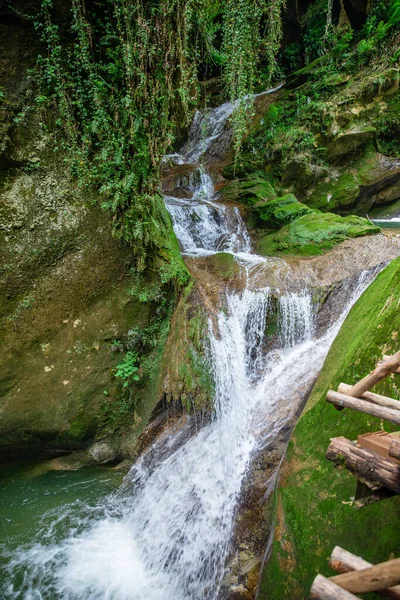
[
  {"x": 205, "y": 227},
  {"x": 296, "y": 319},
  {"x": 166, "y": 534}
]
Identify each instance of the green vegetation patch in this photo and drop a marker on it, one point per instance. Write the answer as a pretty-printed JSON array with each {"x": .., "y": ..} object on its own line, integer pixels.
[
  {"x": 251, "y": 190},
  {"x": 282, "y": 211},
  {"x": 314, "y": 233},
  {"x": 314, "y": 509}
]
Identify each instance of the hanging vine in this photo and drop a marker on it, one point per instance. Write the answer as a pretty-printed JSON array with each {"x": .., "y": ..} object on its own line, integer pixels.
[
  {"x": 125, "y": 78},
  {"x": 117, "y": 87},
  {"x": 243, "y": 46}
]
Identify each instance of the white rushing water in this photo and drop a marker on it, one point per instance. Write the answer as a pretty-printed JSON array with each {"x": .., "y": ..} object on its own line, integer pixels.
[
  {"x": 205, "y": 227},
  {"x": 166, "y": 534}
]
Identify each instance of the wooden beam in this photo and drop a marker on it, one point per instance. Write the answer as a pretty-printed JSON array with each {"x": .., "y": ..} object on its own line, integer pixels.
[
  {"x": 385, "y": 357},
  {"x": 371, "y": 579},
  {"x": 386, "y": 368},
  {"x": 364, "y": 463},
  {"x": 363, "y": 406},
  {"x": 324, "y": 589},
  {"x": 394, "y": 449},
  {"x": 343, "y": 561},
  {"x": 344, "y": 388}
]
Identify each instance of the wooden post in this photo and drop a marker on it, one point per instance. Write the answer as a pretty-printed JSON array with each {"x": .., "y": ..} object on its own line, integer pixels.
[
  {"x": 324, "y": 589},
  {"x": 343, "y": 561},
  {"x": 369, "y": 466},
  {"x": 364, "y": 406},
  {"x": 377, "y": 577},
  {"x": 344, "y": 388},
  {"x": 386, "y": 368},
  {"x": 394, "y": 449}
]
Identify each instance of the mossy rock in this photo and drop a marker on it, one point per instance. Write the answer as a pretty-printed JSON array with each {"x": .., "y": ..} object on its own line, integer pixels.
[
  {"x": 349, "y": 142},
  {"x": 386, "y": 212},
  {"x": 250, "y": 191},
  {"x": 281, "y": 211},
  {"x": 246, "y": 163},
  {"x": 369, "y": 182},
  {"x": 333, "y": 195},
  {"x": 313, "y": 234},
  {"x": 313, "y": 506}
]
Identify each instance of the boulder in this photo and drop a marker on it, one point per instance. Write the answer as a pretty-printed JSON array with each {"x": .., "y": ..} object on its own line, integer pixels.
[{"x": 102, "y": 452}]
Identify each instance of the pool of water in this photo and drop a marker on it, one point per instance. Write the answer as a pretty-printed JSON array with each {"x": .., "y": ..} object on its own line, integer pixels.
[{"x": 37, "y": 502}]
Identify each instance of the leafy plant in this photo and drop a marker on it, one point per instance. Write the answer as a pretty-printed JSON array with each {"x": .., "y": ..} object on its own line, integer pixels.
[{"x": 127, "y": 369}]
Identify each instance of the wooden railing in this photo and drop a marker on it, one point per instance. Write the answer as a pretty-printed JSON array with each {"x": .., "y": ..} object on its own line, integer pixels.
[
  {"x": 378, "y": 472},
  {"x": 357, "y": 576},
  {"x": 359, "y": 398}
]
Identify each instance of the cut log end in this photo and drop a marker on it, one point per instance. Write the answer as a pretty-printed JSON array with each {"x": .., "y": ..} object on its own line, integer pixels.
[
  {"x": 325, "y": 589},
  {"x": 343, "y": 561}
]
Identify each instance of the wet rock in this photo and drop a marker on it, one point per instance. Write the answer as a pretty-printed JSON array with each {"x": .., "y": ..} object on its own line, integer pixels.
[
  {"x": 239, "y": 592},
  {"x": 102, "y": 452}
]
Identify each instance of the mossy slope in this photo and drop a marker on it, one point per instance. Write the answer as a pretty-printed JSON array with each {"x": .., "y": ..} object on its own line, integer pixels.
[
  {"x": 313, "y": 502},
  {"x": 304, "y": 231}
]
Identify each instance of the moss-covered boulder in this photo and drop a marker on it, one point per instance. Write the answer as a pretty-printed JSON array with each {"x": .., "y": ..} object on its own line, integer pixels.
[
  {"x": 281, "y": 211},
  {"x": 349, "y": 142},
  {"x": 250, "y": 190},
  {"x": 314, "y": 233},
  {"x": 314, "y": 502},
  {"x": 371, "y": 180}
]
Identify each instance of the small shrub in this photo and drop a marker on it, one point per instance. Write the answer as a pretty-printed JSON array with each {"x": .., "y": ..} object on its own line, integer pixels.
[{"x": 127, "y": 369}]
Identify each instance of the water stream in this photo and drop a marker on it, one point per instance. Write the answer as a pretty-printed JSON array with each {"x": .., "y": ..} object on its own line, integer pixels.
[{"x": 165, "y": 533}]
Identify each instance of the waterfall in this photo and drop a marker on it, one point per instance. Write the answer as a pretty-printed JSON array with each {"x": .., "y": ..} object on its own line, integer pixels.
[
  {"x": 165, "y": 535},
  {"x": 203, "y": 226},
  {"x": 296, "y": 321}
]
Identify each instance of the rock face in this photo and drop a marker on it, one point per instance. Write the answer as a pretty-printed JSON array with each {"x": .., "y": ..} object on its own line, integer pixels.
[
  {"x": 66, "y": 298},
  {"x": 331, "y": 139},
  {"x": 313, "y": 506}
]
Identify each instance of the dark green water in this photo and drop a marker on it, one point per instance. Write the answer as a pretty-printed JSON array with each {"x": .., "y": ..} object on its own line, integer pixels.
[{"x": 32, "y": 498}]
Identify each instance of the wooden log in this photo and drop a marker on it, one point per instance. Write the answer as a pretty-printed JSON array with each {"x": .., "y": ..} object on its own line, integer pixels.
[
  {"x": 386, "y": 368},
  {"x": 324, "y": 589},
  {"x": 364, "y": 463},
  {"x": 344, "y": 388},
  {"x": 343, "y": 561},
  {"x": 385, "y": 357},
  {"x": 364, "y": 406},
  {"x": 394, "y": 449},
  {"x": 371, "y": 579}
]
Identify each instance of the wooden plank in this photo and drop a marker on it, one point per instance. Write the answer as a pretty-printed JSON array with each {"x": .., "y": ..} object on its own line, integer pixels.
[
  {"x": 324, "y": 589},
  {"x": 383, "y": 370},
  {"x": 371, "y": 579},
  {"x": 344, "y": 388},
  {"x": 364, "y": 463},
  {"x": 363, "y": 406},
  {"x": 343, "y": 561},
  {"x": 394, "y": 449}
]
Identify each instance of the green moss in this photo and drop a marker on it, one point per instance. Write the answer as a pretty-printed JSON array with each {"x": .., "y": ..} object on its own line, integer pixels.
[
  {"x": 313, "y": 504},
  {"x": 334, "y": 194},
  {"x": 250, "y": 190},
  {"x": 314, "y": 233},
  {"x": 82, "y": 427},
  {"x": 281, "y": 211}
]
